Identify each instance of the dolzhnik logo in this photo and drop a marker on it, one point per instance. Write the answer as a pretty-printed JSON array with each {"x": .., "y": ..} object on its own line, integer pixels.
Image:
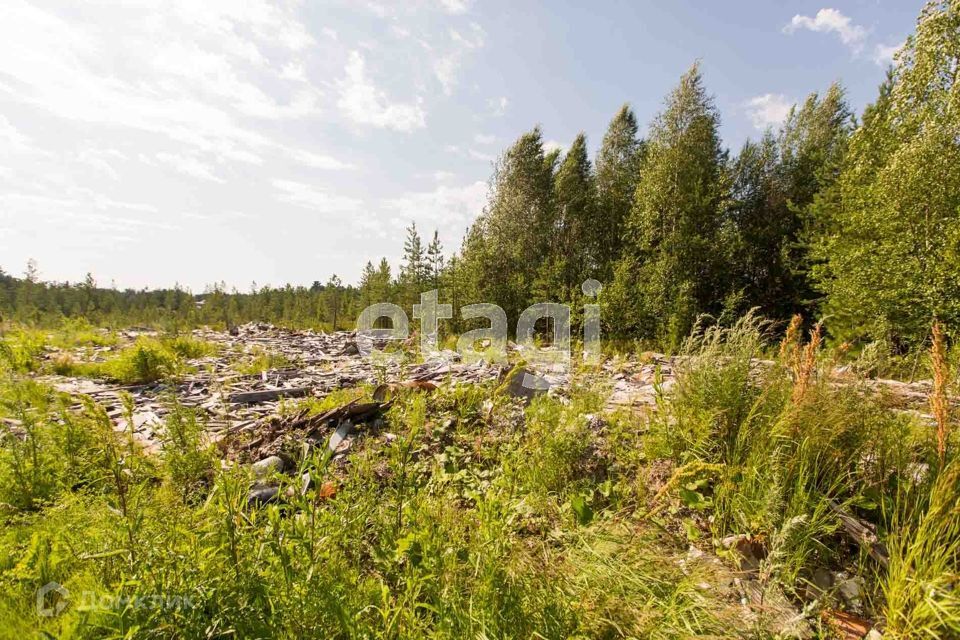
[{"x": 52, "y": 599}]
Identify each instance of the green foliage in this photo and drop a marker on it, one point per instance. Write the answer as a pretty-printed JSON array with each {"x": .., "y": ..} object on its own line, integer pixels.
[
  {"x": 774, "y": 182},
  {"x": 779, "y": 464},
  {"x": 618, "y": 171},
  {"x": 189, "y": 463},
  {"x": 671, "y": 271},
  {"x": 21, "y": 350},
  {"x": 888, "y": 245},
  {"x": 464, "y": 514},
  {"x": 146, "y": 360},
  {"x": 28, "y": 462},
  {"x": 571, "y": 258},
  {"x": 261, "y": 360},
  {"x": 57, "y": 305},
  {"x": 437, "y": 532},
  {"x": 188, "y": 348},
  {"x": 504, "y": 248}
]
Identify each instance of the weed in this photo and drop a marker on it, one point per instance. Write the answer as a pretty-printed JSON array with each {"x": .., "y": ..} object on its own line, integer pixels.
[
  {"x": 920, "y": 588},
  {"x": 262, "y": 360},
  {"x": 939, "y": 402}
]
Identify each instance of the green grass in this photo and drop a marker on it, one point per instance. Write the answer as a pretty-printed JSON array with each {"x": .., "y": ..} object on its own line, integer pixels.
[
  {"x": 776, "y": 460},
  {"x": 464, "y": 525},
  {"x": 146, "y": 360},
  {"x": 261, "y": 360}
]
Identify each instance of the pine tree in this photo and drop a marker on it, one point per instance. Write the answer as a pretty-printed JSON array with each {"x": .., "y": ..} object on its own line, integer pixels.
[
  {"x": 672, "y": 265},
  {"x": 382, "y": 292},
  {"x": 434, "y": 261},
  {"x": 367, "y": 282},
  {"x": 454, "y": 287},
  {"x": 334, "y": 299},
  {"x": 618, "y": 171},
  {"x": 413, "y": 272},
  {"x": 32, "y": 272},
  {"x": 89, "y": 288}
]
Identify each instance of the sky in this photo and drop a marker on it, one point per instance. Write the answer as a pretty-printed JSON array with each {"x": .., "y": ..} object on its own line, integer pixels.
[{"x": 162, "y": 142}]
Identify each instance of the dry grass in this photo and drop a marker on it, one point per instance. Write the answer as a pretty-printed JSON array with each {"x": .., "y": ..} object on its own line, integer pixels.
[
  {"x": 939, "y": 402},
  {"x": 805, "y": 363},
  {"x": 791, "y": 341}
]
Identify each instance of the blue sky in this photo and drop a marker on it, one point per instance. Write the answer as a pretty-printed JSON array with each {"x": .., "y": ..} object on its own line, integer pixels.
[{"x": 159, "y": 141}]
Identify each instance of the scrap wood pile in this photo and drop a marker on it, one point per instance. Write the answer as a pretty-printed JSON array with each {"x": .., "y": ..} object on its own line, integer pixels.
[
  {"x": 242, "y": 412},
  {"x": 317, "y": 364}
]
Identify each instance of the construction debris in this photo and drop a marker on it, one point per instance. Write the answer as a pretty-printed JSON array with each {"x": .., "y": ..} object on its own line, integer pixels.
[
  {"x": 243, "y": 407},
  {"x": 249, "y": 397}
]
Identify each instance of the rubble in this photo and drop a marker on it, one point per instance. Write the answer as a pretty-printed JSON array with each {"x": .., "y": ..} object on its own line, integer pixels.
[
  {"x": 235, "y": 405},
  {"x": 245, "y": 408}
]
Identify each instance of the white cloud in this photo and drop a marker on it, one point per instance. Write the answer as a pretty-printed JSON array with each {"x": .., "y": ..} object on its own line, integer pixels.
[
  {"x": 768, "y": 110},
  {"x": 82, "y": 211},
  {"x": 293, "y": 71},
  {"x": 472, "y": 40},
  {"x": 831, "y": 20},
  {"x": 10, "y": 135},
  {"x": 266, "y": 20},
  {"x": 455, "y": 6},
  {"x": 187, "y": 165},
  {"x": 376, "y": 8},
  {"x": 131, "y": 113},
  {"x": 100, "y": 160},
  {"x": 470, "y": 153},
  {"x": 497, "y": 106},
  {"x": 319, "y": 161},
  {"x": 309, "y": 197},
  {"x": 179, "y": 72},
  {"x": 883, "y": 54},
  {"x": 446, "y": 67},
  {"x": 446, "y": 208},
  {"x": 363, "y": 103},
  {"x": 553, "y": 145},
  {"x": 480, "y": 155}
]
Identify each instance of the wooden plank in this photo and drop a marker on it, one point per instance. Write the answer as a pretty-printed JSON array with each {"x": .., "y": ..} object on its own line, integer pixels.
[
  {"x": 862, "y": 533},
  {"x": 249, "y": 397}
]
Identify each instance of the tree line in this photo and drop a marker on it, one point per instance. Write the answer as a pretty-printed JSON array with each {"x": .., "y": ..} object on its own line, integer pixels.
[
  {"x": 855, "y": 220},
  {"x": 31, "y": 301}
]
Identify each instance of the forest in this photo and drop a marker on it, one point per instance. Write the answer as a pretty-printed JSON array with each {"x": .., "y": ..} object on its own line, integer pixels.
[{"x": 767, "y": 448}]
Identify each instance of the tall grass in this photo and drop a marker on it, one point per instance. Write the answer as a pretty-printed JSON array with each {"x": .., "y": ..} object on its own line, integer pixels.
[
  {"x": 469, "y": 523},
  {"x": 783, "y": 444},
  {"x": 920, "y": 588}
]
